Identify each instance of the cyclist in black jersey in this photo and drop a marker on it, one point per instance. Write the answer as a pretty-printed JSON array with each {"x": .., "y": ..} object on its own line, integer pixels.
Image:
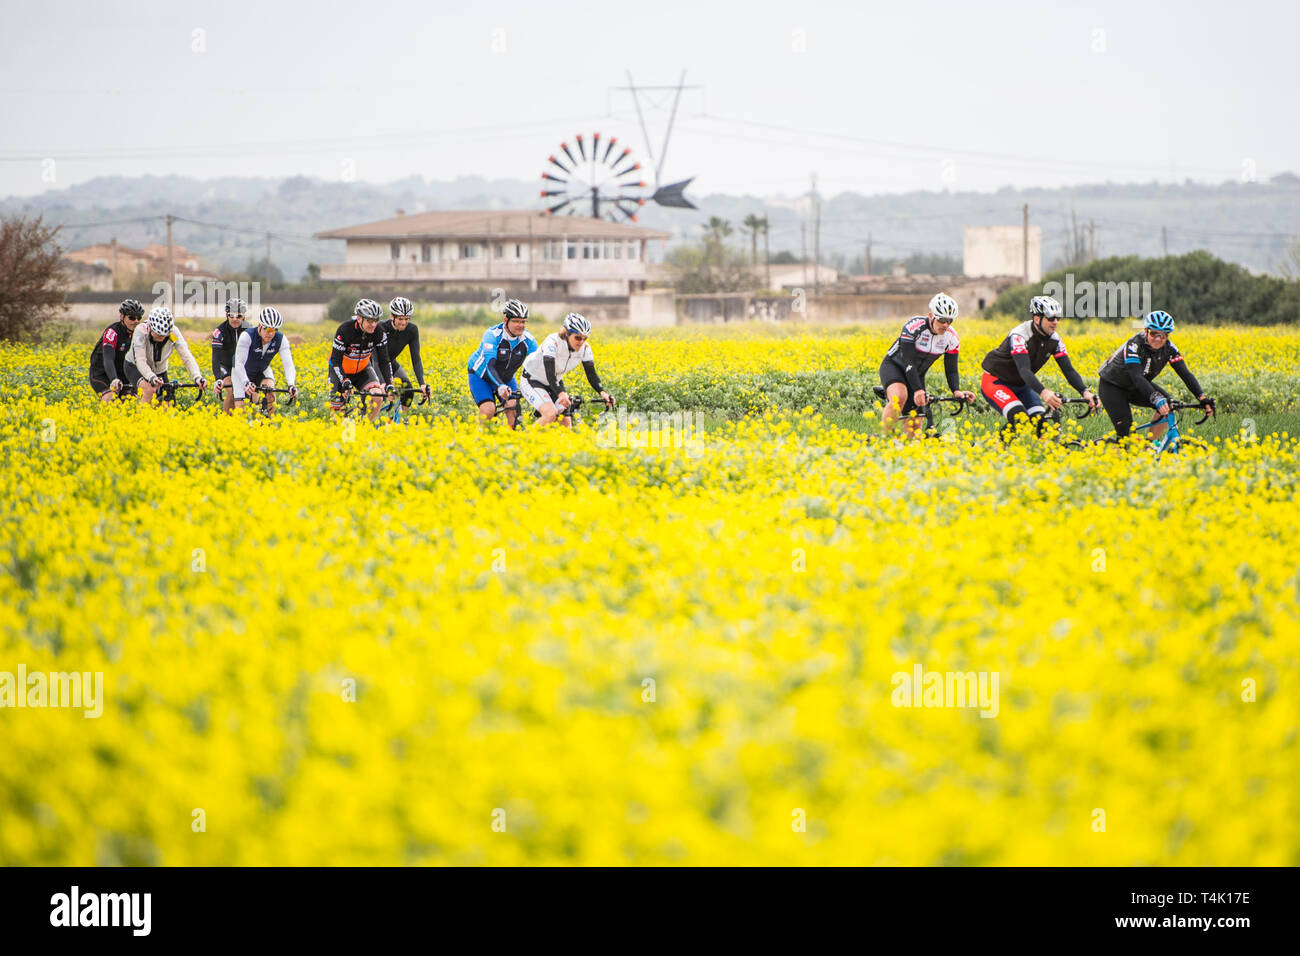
[
  {"x": 359, "y": 358},
  {"x": 108, "y": 357},
  {"x": 1126, "y": 377},
  {"x": 402, "y": 334},
  {"x": 225, "y": 337},
  {"x": 923, "y": 339},
  {"x": 1009, "y": 382}
]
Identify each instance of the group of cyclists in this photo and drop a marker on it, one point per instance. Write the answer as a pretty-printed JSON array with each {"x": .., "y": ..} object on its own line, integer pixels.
[
  {"x": 1010, "y": 383},
  {"x": 132, "y": 355}
]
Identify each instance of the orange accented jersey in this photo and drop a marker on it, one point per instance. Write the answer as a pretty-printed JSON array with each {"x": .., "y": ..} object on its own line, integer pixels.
[{"x": 353, "y": 349}]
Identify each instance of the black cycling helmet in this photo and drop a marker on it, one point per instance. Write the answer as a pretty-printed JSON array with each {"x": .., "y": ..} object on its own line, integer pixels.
[
  {"x": 131, "y": 308},
  {"x": 515, "y": 310}
]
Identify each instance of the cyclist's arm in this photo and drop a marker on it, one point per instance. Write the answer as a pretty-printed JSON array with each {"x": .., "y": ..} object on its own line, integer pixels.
[
  {"x": 139, "y": 353},
  {"x": 911, "y": 363},
  {"x": 548, "y": 363},
  {"x": 286, "y": 358},
  {"x": 336, "y": 363},
  {"x": 416, "y": 365},
  {"x": 950, "y": 371},
  {"x": 589, "y": 367},
  {"x": 238, "y": 374},
  {"x": 1071, "y": 375},
  {"x": 108, "y": 354},
  {"x": 1026, "y": 373},
  {"x": 187, "y": 357},
  {"x": 385, "y": 363},
  {"x": 1186, "y": 375}
]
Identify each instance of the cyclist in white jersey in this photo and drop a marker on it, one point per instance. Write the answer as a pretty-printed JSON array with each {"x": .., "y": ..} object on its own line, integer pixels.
[
  {"x": 542, "y": 382},
  {"x": 152, "y": 343}
]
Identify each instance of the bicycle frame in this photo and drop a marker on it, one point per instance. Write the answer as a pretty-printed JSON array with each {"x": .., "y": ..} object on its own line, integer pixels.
[
  {"x": 1172, "y": 439},
  {"x": 959, "y": 405}
]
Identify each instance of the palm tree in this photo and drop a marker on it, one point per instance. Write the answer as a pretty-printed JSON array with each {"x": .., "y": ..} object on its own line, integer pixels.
[
  {"x": 754, "y": 224},
  {"x": 716, "y": 233}
]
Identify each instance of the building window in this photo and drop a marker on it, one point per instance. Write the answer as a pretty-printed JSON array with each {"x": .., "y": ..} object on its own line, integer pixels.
[
  {"x": 139, "y": 267},
  {"x": 586, "y": 249},
  {"x": 426, "y": 253},
  {"x": 573, "y": 250},
  {"x": 469, "y": 250},
  {"x": 618, "y": 250},
  {"x": 395, "y": 250},
  {"x": 519, "y": 251},
  {"x": 501, "y": 252}
]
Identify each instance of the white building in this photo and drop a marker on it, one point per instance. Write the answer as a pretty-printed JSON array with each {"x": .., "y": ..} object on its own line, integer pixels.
[
  {"x": 1000, "y": 251},
  {"x": 526, "y": 250}
]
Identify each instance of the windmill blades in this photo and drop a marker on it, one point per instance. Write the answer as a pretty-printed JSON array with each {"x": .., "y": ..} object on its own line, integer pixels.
[
  {"x": 632, "y": 184},
  {"x": 612, "y": 141},
  {"x": 554, "y": 179},
  {"x": 557, "y": 207},
  {"x": 561, "y": 165},
  {"x": 595, "y": 146},
  {"x": 626, "y": 170},
  {"x": 627, "y": 213},
  {"x": 581, "y": 150},
  {"x": 555, "y": 192},
  {"x": 565, "y": 147}
]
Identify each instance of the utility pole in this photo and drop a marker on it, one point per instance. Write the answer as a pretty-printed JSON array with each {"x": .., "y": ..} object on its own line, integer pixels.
[
  {"x": 1164, "y": 239},
  {"x": 767, "y": 258},
  {"x": 817, "y": 239},
  {"x": 268, "y": 262},
  {"x": 171, "y": 268},
  {"x": 1092, "y": 241},
  {"x": 1024, "y": 241},
  {"x": 532, "y": 257},
  {"x": 803, "y": 251}
]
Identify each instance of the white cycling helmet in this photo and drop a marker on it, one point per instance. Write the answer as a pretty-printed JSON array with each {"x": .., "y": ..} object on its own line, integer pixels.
[
  {"x": 1045, "y": 306},
  {"x": 401, "y": 306},
  {"x": 573, "y": 322},
  {"x": 368, "y": 309},
  {"x": 943, "y": 306},
  {"x": 160, "y": 320},
  {"x": 269, "y": 318}
]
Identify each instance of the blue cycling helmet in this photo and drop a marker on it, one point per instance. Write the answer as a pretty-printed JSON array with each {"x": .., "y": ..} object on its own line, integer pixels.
[{"x": 1159, "y": 322}]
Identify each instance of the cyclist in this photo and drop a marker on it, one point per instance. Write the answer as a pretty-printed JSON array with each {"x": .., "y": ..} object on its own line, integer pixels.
[
  {"x": 1126, "y": 377},
  {"x": 499, "y": 356},
  {"x": 253, "y": 356},
  {"x": 1010, "y": 384},
  {"x": 403, "y": 333},
  {"x": 108, "y": 357},
  {"x": 545, "y": 368},
  {"x": 151, "y": 349},
  {"x": 224, "y": 339},
  {"x": 356, "y": 342},
  {"x": 902, "y": 371}
]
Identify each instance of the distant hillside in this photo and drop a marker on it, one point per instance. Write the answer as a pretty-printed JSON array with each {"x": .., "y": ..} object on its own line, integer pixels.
[{"x": 1246, "y": 223}]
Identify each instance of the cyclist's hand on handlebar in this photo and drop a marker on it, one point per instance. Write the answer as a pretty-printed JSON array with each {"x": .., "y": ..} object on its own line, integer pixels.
[
  {"x": 1207, "y": 403},
  {"x": 201, "y": 382},
  {"x": 293, "y": 391},
  {"x": 920, "y": 399},
  {"x": 609, "y": 399},
  {"x": 426, "y": 391},
  {"x": 503, "y": 391},
  {"x": 1050, "y": 399},
  {"x": 116, "y": 385},
  {"x": 1091, "y": 398},
  {"x": 1161, "y": 405},
  {"x": 563, "y": 402},
  {"x": 967, "y": 397},
  {"x": 250, "y": 390}
]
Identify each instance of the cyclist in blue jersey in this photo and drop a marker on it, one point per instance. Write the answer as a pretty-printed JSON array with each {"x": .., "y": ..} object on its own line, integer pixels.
[
  {"x": 495, "y": 362},
  {"x": 1126, "y": 377},
  {"x": 253, "y": 354}
]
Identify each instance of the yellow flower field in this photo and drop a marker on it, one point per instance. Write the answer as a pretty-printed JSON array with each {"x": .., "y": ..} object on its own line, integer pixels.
[{"x": 441, "y": 644}]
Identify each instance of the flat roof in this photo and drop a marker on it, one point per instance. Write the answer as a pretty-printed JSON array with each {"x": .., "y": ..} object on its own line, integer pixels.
[{"x": 492, "y": 223}]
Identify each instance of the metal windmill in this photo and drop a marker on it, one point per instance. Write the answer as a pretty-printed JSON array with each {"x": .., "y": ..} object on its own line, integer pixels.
[{"x": 606, "y": 183}]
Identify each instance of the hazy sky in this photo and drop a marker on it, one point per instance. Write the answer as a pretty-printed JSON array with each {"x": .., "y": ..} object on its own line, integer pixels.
[{"x": 873, "y": 97}]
